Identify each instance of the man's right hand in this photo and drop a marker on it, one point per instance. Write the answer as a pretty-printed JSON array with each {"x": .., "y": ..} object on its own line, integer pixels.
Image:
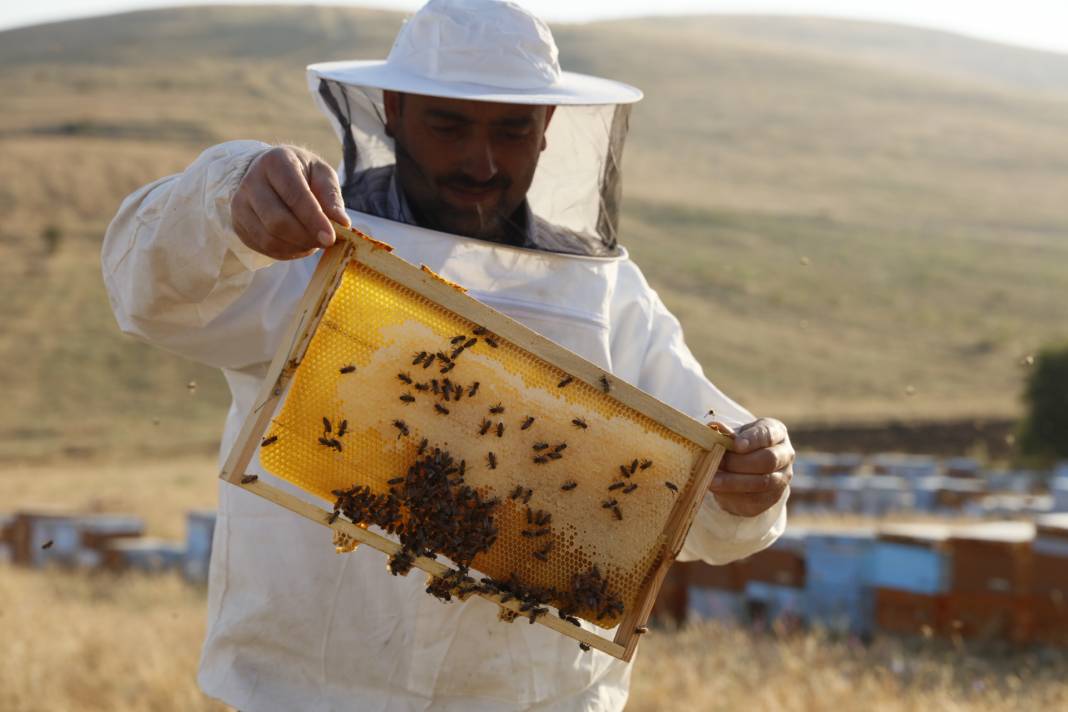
[{"x": 285, "y": 202}]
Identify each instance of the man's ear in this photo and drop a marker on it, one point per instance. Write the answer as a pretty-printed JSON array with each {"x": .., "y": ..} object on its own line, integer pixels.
[
  {"x": 392, "y": 101},
  {"x": 549, "y": 111}
]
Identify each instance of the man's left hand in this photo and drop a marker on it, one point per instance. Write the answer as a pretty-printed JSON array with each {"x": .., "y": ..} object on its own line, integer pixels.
[{"x": 756, "y": 470}]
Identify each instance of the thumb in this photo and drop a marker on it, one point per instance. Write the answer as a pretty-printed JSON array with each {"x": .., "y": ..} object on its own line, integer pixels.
[{"x": 324, "y": 185}]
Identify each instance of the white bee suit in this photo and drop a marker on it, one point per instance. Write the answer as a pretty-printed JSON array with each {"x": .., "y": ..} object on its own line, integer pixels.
[{"x": 291, "y": 624}]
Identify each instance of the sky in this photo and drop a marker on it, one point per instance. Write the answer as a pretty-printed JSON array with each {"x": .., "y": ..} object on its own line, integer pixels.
[{"x": 1040, "y": 24}]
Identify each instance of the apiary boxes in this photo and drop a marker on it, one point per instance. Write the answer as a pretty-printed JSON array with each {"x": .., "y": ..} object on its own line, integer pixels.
[
  {"x": 771, "y": 604},
  {"x": 838, "y": 571},
  {"x": 913, "y": 558},
  {"x": 910, "y": 467},
  {"x": 200, "y": 529},
  {"x": 947, "y": 493},
  {"x": 1049, "y": 580},
  {"x": 781, "y": 564},
  {"x": 908, "y": 613},
  {"x": 1059, "y": 490},
  {"x": 43, "y": 537},
  {"x": 994, "y": 557},
  {"x": 146, "y": 555}
]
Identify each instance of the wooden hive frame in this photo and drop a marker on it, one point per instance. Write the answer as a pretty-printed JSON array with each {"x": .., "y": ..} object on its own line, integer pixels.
[{"x": 353, "y": 245}]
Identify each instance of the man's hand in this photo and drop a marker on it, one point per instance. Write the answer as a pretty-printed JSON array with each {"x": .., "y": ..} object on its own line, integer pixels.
[
  {"x": 284, "y": 204},
  {"x": 754, "y": 473}
]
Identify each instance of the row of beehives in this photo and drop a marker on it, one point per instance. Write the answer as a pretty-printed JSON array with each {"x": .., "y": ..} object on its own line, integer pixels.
[
  {"x": 881, "y": 488},
  {"x": 1003, "y": 580},
  {"x": 39, "y": 538}
]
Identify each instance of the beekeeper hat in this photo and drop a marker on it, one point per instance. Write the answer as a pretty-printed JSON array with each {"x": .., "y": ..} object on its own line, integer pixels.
[
  {"x": 482, "y": 50},
  {"x": 490, "y": 50}
]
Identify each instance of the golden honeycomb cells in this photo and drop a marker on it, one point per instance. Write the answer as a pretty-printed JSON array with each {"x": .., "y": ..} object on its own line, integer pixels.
[{"x": 380, "y": 327}]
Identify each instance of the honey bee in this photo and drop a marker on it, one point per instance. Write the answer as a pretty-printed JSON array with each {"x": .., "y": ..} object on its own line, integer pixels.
[
  {"x": 500, "y": 430},
  {"x": 633, "y": 467},
  {"x": 584, "y": 647},
  {"x": 606, "y": 385},
  {"x": 527, "y": 495},
  {"x": 457, "y": 339},
  {"x": 428, "y": 362},
  {"x": 395, "y": 481},
  {"x": 331, "y": 443},
  {"x": 326, "y": 425},
  {"x": 343, "y": 428},
  {"x": 566, "y": 381},
  {"x": 624, "y": 471},
  {"x": 249, "y": 479},
  {"x": 527, "y": 423},
  {"x": 672, "y": 486},
  {"x": 419, "y": 358},
  {"x": 422, "y": 446},
  {"x": 441, "y": 409},
  {"x": 269, "y": 440},
  {"x": 560, "y": 448},
  {"x": 347, "y": 369},
  {"x": 540, "y": 460},
  {"x": 492, "y": 459},
  {"x": 469, "y": 343},
  {"x": 517, "y": 492},
  {"x": 422, "y": 387},
  {"x": 402, "y": 427},
  {"x": 456, "y": 352},
  {"x": 641, "y": 630},
  {"x": 616, "y": 485},
  {"x": 484, "y": 428},
  {"x": 448, "y": 367},
  {"x": 404, "y": 378},
  {"x": 472, "y": 390},
  {"x": 492, "y": 342},
  {"x": 478, "y": 330},
  {"x": 540, "y": 446},
  {"x": 497, "y": 409},
  {"x": 645, "y": 464},
  {"x": 332, "y": 517},
  {"x": 569, "y": 485},
  {"x": 554, "y": 455},
  {"x": 580, "y": 423},
  {"x": 630, "y": 488},
  {"x": 616, "y": 513},
  {"x": 608, "y": 503},
  {"x": 407, "y": 398},
  {"x": 48, "y": 544},
  {"x": 710, "y": 412}
]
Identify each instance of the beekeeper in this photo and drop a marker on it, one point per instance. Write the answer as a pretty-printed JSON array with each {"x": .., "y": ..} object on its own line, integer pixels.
[{"x": 440, "y": 143}]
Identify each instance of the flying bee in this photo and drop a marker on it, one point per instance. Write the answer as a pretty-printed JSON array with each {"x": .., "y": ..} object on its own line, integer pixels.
[
  {"x": 407, "y": 398},
  {"x": 569, "y": 485},
  {"x": 484, "y": 428},
  {"x": 419, "y": 358},
  {"x": 492, "y": 342},
  {"x": 616, "y": 485},
  {"x": 441, "y": 409},
  {"x": 248, "y": 479},
  {"x": 343, "y": 428},
  {"x": 347, "y": 369},
  {"x": 326, "y": 425},
  {"x": 579, "y": 423},
  {"x": 645, "y": 464},
  {"x": 269, "y": 440},
  {"x": 48, "y": 544},
  {"x": 606, "y": 385},
  {"x": 540, "y": 446},
  {"x": 497, "y": 409},
  {"x": 527, "y": 423},
  {"x": 472, "y": 390},
  {"x": 457, "y": 339},
  {"x": 402, "y": 427},
  {"x": 492, "y": 459},
  {"x": 566, "y": 381},
  {"x": 500, "y": 430},
  {"x": 671, "y": 486},
  {"x": 630, "y": 488},
  {"x": 404, "y": 378}
]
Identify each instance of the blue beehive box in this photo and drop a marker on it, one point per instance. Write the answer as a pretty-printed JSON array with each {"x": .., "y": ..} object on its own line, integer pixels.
[
  {"x": 837, "y": 591},
  {"x": 912, "y": 558},
  {"x": 771, "y": 603}
]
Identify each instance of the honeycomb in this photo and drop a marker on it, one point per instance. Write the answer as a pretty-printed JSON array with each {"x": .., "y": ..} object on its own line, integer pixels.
[{"x": 355, "y": 372}]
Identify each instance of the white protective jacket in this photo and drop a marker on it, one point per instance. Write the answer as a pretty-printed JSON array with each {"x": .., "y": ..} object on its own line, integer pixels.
[{"x": 293, "y": 625}]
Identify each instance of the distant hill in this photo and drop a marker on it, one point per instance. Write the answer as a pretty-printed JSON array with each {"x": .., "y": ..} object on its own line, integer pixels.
[{"x": 836, "y": 210}]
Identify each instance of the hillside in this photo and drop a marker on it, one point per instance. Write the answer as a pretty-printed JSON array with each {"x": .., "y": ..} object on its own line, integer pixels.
[{"x": 836, "y": 210}]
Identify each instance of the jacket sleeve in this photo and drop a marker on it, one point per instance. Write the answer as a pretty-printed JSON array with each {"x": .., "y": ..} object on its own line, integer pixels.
[
  {"x": 648, "y": 341},
  {"x": 178, "y": 276}
]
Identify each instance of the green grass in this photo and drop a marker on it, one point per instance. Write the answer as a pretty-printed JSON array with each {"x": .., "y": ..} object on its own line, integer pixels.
[{"x": 921, "y": 177}]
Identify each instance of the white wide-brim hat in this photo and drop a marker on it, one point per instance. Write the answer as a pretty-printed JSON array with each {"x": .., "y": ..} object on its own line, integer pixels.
[{"x": 481, "y": 50}]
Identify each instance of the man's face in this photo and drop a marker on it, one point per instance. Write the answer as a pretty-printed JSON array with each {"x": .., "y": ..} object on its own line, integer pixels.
[{"x": 465, "y": 166}]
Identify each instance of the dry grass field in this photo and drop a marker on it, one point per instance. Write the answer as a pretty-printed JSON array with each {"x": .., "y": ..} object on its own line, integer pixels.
[{"x": 130, "y": 643}]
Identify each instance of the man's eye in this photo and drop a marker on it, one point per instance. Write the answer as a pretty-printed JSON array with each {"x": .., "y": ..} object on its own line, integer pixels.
[{"x": 446, "y": 130}]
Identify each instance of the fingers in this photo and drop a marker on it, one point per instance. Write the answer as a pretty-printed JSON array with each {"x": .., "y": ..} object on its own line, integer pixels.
[
  {"x": 286, "y": 177},
  {"x": 324, "y": 184},
  {"x": 769, "y": 459},
  {"x": 735, "y": 483},
  {"x": 761, "y": 433},
  {"x": 255, "y": 234}
]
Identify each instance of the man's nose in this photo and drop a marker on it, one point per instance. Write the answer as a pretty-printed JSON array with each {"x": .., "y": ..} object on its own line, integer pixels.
[{"x": 480, "y": 163}]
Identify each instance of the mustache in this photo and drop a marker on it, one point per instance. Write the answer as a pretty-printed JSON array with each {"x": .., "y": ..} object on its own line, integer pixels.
[{"x": 466, "y": 182}]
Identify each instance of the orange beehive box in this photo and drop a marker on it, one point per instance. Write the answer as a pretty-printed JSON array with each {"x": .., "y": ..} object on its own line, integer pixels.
[{"x": 907, "y": 613}]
